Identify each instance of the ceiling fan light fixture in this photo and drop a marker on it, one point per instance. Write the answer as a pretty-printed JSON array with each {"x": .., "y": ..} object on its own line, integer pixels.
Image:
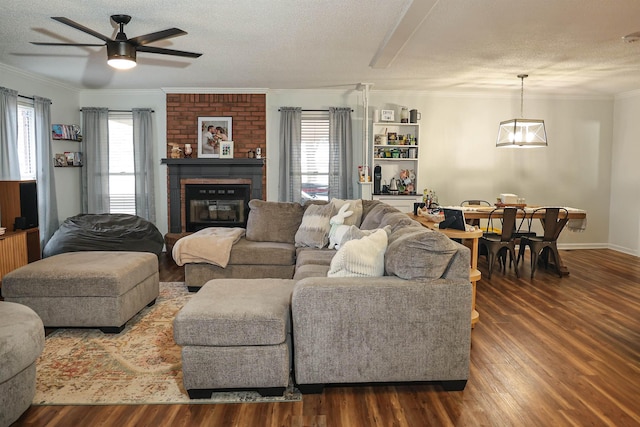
[
  {"x": 121, "y": 55},
  {"x": 522, "y": 133}
]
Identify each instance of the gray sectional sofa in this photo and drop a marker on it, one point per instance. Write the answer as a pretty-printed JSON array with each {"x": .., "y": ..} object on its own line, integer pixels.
[{"x": 411, "y": 324}]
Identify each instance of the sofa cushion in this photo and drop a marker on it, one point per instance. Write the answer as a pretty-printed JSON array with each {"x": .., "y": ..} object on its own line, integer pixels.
[
  {"x": 354, "y": 205},
  {"x": 311, "y": 270},
  {"x": 360, "y": 258},
  {"x": 308, "y": 256},
  {"x": 354, "y": 233},
  {"x": 374, "y": 217},
  {"x": 415, "y": 253},
  {"x": 236, "y": 312},
  {"x": 273, "y": 221},
  {"x": 398, "y": 220},
  {"x": 247, "y": 252},
  {"x": 314, "y": 229}
]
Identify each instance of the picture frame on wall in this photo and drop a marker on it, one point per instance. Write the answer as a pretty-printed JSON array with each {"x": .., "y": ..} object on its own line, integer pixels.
[
  {"x": 212, "y": 131},
  {"x": 226, "y": 150}
]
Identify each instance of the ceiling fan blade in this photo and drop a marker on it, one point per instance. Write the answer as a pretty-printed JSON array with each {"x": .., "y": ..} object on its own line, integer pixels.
[
  {"x": 160, "y": 35},
  {"x": 67, "y": 44},
  {"x": 82, "y": 28},
  {"x": 151, "y": 49}
]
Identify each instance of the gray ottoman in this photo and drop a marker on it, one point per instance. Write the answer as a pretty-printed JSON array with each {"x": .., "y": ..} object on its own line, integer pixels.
[
  {"x": 98, "y": 289},
  {"x": 236, "y": 335},
  {"x": 21, "y": 342}
]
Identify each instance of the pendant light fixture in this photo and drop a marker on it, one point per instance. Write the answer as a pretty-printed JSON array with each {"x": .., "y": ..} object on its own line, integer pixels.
[{"x": 522, "y": 133}]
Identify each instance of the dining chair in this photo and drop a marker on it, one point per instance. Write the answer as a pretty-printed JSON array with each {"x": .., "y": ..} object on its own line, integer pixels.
[
  {"x": 554, "y": 220},
  {"x": 495, "y": 245},
  {"x": 474, "y": 202}
]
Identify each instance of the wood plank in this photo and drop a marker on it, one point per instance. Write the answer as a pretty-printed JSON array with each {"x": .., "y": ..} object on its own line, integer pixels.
[{"x": 549, "y": 351}]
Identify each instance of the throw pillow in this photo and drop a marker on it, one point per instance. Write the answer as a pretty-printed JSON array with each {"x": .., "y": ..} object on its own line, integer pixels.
[
  {"x": 354, "y": 205},
  {"x": 360, "y": 258},
  {"x": 273, "y": 221},
  {"x": 314, "y": 229},
  {"x": 419, "y": 254}
]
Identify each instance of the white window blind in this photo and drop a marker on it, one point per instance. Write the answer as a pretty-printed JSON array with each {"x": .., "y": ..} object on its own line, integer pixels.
[
  {"x": 26, "y": 142},
  {"x": 122, "y": 197},
  {"x": 314, "y": 155}
]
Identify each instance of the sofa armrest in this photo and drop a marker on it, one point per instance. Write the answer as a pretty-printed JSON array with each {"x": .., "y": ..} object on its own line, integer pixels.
[{"x": 382, "y": 329}]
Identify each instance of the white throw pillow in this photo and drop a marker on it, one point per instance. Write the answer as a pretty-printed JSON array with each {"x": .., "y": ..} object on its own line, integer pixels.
[
  {"x": 360, "y": 258},
  {"x": 354, "y": 205},
  {"x": 314, "y": 229}
]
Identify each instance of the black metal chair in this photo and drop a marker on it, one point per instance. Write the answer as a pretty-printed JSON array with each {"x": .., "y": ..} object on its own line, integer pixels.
[
  {"x": 495, "y": 245},
  {"x": 553, "y": 222},
  {"x": 474, "y": 202}
]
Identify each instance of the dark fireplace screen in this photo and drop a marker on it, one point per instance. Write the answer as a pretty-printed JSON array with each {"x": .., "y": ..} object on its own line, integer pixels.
[{"x": 216, "y": 205}]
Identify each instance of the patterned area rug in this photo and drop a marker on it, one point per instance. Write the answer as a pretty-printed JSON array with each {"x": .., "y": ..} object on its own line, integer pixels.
[{"x": 140, "y": 365}]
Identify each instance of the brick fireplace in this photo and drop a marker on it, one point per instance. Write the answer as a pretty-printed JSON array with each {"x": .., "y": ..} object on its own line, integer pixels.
[{"x": 218, "y": 184}]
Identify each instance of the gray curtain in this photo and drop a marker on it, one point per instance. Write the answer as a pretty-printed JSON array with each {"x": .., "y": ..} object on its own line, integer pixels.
[
  {"x": 143, "y": 163},
  {"x": 95, "y": 170},
  {"x": 47, "y": 204},
  {"x": 290, "y": 182},
  {"x": 341, "y": 171},
  {"x": 9, "y": 161}
]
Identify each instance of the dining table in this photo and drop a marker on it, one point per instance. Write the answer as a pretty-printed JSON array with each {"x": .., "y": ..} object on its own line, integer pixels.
[{"x": 577, "y": 219}]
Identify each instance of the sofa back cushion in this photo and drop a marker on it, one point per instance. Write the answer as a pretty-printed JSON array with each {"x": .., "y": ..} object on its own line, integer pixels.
[
  {"x": 418, "y": 253},
  {"x": 374, "y": 216},
  {"x": 273, "y": 221}
]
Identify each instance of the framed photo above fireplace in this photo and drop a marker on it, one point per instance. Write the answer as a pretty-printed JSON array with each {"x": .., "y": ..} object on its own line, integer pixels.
[
  {"x": 226, "y": 150},
  {"x": 212, "y": 131}
]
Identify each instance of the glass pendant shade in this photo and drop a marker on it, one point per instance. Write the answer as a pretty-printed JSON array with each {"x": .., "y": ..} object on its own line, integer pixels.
[{"x": 522, "y": 133}]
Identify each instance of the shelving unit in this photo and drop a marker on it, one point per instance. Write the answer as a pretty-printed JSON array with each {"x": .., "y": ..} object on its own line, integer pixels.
[{"x": 395, "y": 147}]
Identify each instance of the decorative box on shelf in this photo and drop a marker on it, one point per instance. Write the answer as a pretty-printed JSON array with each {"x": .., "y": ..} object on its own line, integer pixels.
[
  {"x": 68, "y": 159},
  {"x": 66, "y": 132}
]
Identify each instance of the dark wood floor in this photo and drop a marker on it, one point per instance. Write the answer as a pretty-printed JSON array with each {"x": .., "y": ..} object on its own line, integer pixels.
[{"x": 547, "y": 351}]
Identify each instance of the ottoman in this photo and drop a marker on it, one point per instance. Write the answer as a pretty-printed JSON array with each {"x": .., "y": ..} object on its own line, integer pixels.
[
  {"x": 21, "y": 342},
  {"x": 98, "y": 289},
  {"x": 236, "y": 335}
]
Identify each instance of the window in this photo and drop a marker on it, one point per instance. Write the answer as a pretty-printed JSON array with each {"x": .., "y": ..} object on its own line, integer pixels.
[
  {"x": 26, "y": 142},
  {"x": 314, "y": 155},
  {"x": 122, "y": 181}
]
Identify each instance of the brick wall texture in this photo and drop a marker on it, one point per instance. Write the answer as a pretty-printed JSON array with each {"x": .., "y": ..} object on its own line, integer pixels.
[{"x": 247, "y": 112}]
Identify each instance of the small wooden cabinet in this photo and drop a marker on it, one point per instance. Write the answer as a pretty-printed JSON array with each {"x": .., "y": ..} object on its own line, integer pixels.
[{"x": 13, "y": 251}]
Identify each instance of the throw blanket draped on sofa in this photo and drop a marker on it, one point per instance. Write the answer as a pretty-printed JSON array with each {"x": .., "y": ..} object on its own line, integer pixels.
[{"x": 211, "y": 245}]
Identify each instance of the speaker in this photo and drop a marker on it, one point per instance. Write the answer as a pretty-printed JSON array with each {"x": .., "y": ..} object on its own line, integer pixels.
[
  {"x": 377, "y": 178},
  {"x": 19, "y": 199},
  {"x": 29, "y": 203}
]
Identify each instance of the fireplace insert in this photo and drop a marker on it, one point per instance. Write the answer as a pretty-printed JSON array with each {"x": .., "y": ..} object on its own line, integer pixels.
[{"x": 216, "y": 205}]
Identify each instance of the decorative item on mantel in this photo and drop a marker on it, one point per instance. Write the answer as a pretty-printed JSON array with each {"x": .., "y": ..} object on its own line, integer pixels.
[
  {"x": 175, "y": 151},
  {"x": 187, "y": 151}
]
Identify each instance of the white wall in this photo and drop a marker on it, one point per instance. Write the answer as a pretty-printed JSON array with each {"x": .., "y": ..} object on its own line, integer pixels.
[
  {"x": 156, "y": 100},
  {"x": 64, "y": 109},
  {"x": 459, "y": 160},
  {"x": 582, "y": 167},
  {"x": 624, "y": 225}
]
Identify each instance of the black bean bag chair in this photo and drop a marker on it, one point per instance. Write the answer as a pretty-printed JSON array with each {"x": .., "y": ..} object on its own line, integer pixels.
[{"x": 105, "y": 232}]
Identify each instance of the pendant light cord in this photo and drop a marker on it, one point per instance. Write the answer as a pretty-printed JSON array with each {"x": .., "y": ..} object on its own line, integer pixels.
[{"x": 522, "y": 77}]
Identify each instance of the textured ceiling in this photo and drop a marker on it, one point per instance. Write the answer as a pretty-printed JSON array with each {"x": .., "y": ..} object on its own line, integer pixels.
[{"x": 566, "y": 46}]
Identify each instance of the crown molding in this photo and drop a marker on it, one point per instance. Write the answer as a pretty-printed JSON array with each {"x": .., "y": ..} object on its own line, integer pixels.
[
  {"x": 209, "y": 90},
  {"x": 34, "y": 76}
]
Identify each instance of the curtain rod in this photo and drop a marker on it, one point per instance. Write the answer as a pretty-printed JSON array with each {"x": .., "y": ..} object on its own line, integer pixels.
[
  {"x": 316, "y": 111},
  {"x": 123, "y": 111},
  {"x": 31, "y": 98}
]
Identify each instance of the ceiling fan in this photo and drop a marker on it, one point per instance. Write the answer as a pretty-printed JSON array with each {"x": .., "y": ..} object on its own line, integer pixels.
[{"x": 121, "y": 51}]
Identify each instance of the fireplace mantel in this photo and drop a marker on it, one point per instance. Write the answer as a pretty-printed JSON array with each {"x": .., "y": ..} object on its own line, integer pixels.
[{"x": 208, "y": 168}]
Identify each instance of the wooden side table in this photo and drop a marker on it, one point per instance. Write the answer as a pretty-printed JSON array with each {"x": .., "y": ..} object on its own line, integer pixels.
[
  {"x": 13, "y": 251},
  {"x": 470, "y": 236}
]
